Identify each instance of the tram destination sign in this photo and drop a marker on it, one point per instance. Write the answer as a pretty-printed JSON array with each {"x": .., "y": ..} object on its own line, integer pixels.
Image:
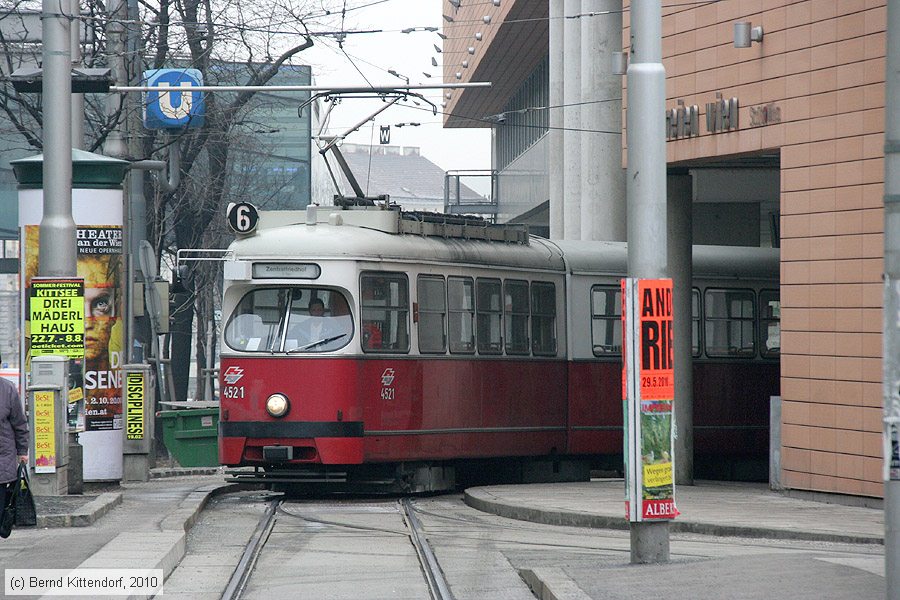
[
  {"x": 56, "y": 316},
  {"x": 286, "y": 271}
]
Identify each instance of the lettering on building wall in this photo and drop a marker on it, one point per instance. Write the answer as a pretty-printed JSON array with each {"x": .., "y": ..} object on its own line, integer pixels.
[
  {"x": 683, "y": 121},
  {"x": 722, "y": 115},
  {"x": 767, "y": 114}
]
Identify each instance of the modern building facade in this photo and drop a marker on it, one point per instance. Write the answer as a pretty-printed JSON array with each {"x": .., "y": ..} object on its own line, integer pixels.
[{"x": 780, "y": 143}]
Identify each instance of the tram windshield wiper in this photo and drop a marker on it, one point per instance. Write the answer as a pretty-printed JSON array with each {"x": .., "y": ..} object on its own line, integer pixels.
[{"x": 317, "y": 343}]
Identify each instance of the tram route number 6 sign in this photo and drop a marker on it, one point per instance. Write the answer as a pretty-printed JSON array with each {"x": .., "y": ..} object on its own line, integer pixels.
[{"x": 242, "y": 217}]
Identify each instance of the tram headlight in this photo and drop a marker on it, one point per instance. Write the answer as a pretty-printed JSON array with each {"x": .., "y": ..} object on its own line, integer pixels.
[{"x": 278, "y": 405}]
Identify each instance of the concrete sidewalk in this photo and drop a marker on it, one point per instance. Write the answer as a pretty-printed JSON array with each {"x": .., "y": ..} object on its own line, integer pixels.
[
  {"x": 133, "y": 525},
  {"x": 710, "y": 508},
  {"x": 145, "y": 524}
]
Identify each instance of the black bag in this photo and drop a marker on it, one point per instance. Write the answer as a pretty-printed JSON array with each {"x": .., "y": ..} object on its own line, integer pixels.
[
  {"x": 8, "y": 518},
  {"x": 25, "y": 514},
  {"x": 19, "y": 510}
]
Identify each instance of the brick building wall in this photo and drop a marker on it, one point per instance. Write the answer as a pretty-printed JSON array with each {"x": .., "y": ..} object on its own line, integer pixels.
[
  {"x": 820, "y": 68},
  {"x": 821, "y": 64}
]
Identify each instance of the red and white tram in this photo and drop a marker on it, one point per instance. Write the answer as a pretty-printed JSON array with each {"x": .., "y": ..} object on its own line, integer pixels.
[{"x": 372, "y": 343}]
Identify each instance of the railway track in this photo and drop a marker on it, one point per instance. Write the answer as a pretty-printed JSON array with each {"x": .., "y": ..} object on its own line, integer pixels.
[
  {"x": 248, "y": 559},
  {"x": 430, "y": 568},
  {"x": 340, "y": 547}
]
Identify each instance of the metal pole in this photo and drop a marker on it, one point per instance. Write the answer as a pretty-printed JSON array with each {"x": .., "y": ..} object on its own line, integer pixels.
[
  {"x": 136, "y": 206},
  {"x": 115, "y": 48},
  {"x": 555, "y": 135},
  {"x": 891, "y": 350},
  {"x": 77, "y": 99},
  {"x": 57, "y": 228},
  {"x": 646, "y": 194},
  {"x": 572, "y": 121}
]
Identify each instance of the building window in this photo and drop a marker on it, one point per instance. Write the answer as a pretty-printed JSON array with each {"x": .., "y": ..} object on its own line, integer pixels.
[{"x": 525, "y": 119}]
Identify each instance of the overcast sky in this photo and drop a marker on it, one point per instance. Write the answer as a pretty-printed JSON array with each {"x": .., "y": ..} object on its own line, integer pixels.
[{"x": 410, "y": 55}]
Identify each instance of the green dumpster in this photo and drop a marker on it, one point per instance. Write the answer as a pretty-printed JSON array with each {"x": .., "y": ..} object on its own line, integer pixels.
[{"x": 191, "y": 435}]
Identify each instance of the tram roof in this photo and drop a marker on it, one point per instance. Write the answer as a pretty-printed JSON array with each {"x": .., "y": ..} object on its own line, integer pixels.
[
  {"x": 737, "y": 262},
  {"x": 290, "y": 236},
  {"x": 325, "y": 240}
]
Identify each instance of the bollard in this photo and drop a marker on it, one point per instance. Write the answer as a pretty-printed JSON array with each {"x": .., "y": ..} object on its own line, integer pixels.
[{"x": 137, "y": 458}]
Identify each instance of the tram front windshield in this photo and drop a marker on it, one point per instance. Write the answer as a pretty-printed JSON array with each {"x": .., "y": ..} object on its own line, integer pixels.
[{"x": 291, "y": 320}]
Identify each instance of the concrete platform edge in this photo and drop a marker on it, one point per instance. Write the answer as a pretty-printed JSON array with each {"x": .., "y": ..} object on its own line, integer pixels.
[
  {"x": 552, "y": 584},
  {"x": 189, "y": 510},
  {"x": 480, "y": 499},
  {"x": 84, "y": 516},
  {"x": 163, "y": 549}
]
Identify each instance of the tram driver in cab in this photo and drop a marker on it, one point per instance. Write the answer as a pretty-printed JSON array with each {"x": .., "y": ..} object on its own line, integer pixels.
[{"x": 320, "y": 331}]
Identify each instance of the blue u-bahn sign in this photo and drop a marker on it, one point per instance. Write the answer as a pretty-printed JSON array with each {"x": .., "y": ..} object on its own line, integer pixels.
[{"x": 170, "y": 109}]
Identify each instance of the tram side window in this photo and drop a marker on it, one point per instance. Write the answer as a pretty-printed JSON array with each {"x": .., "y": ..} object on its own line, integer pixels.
[
  {"x": 490, "y": 316},
  {"x": 729, "y": 323},
  {"x": 695, "y": 322},
  {"x": 254, "y": 324},
  {"x": 385, "y": 312},
  {"x": 543, "y": 318},
  {"x": 516, "y": 313},
  {"x": 432, "y": 313},
  {"x": 770, "y": 323},
  {"x": 606, "y": 320},
  {"x": 461, "y": 301}
]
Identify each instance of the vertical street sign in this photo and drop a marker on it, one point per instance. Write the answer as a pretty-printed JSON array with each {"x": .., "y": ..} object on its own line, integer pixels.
[{"x": 648, "y": 391}]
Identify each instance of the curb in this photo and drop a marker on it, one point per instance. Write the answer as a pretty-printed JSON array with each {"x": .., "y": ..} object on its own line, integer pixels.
[
  {"x": 187, "y": 513},
  {"x": 84, "y": 516},
  {"x": 162, "y": 549},
  {"x": 480, "y": 501},
  {"x": 552, "y": 584},
  {"x": 483, "y": 501}
]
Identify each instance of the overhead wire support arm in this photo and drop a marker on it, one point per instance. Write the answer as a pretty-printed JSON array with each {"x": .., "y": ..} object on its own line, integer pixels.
[
  {"x": 335, "y": 98},
  {"x": 386, "y": 89}
]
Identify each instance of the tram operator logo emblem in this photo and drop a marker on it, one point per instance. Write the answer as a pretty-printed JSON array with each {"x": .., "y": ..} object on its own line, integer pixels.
[
  {"x": 387, "y": 378},
  {"x": 233, "y": 375}
]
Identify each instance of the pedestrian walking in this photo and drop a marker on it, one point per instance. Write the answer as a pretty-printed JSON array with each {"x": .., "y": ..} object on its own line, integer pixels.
[{"x": 13, "y": 436}]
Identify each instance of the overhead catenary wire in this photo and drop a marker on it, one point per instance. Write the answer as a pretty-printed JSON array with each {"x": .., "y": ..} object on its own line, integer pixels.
[{"x": 344, "y": 32}]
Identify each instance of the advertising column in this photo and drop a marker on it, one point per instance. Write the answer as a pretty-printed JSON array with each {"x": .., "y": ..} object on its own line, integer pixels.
[
  {"x": 649, "y": 392},
  {"x": 97, "y": 207}
]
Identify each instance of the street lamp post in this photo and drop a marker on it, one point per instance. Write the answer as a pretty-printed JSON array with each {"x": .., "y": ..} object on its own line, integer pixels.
[
  {"x": 57, "y": 229},
  {"x": 646, "y": 196}
]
